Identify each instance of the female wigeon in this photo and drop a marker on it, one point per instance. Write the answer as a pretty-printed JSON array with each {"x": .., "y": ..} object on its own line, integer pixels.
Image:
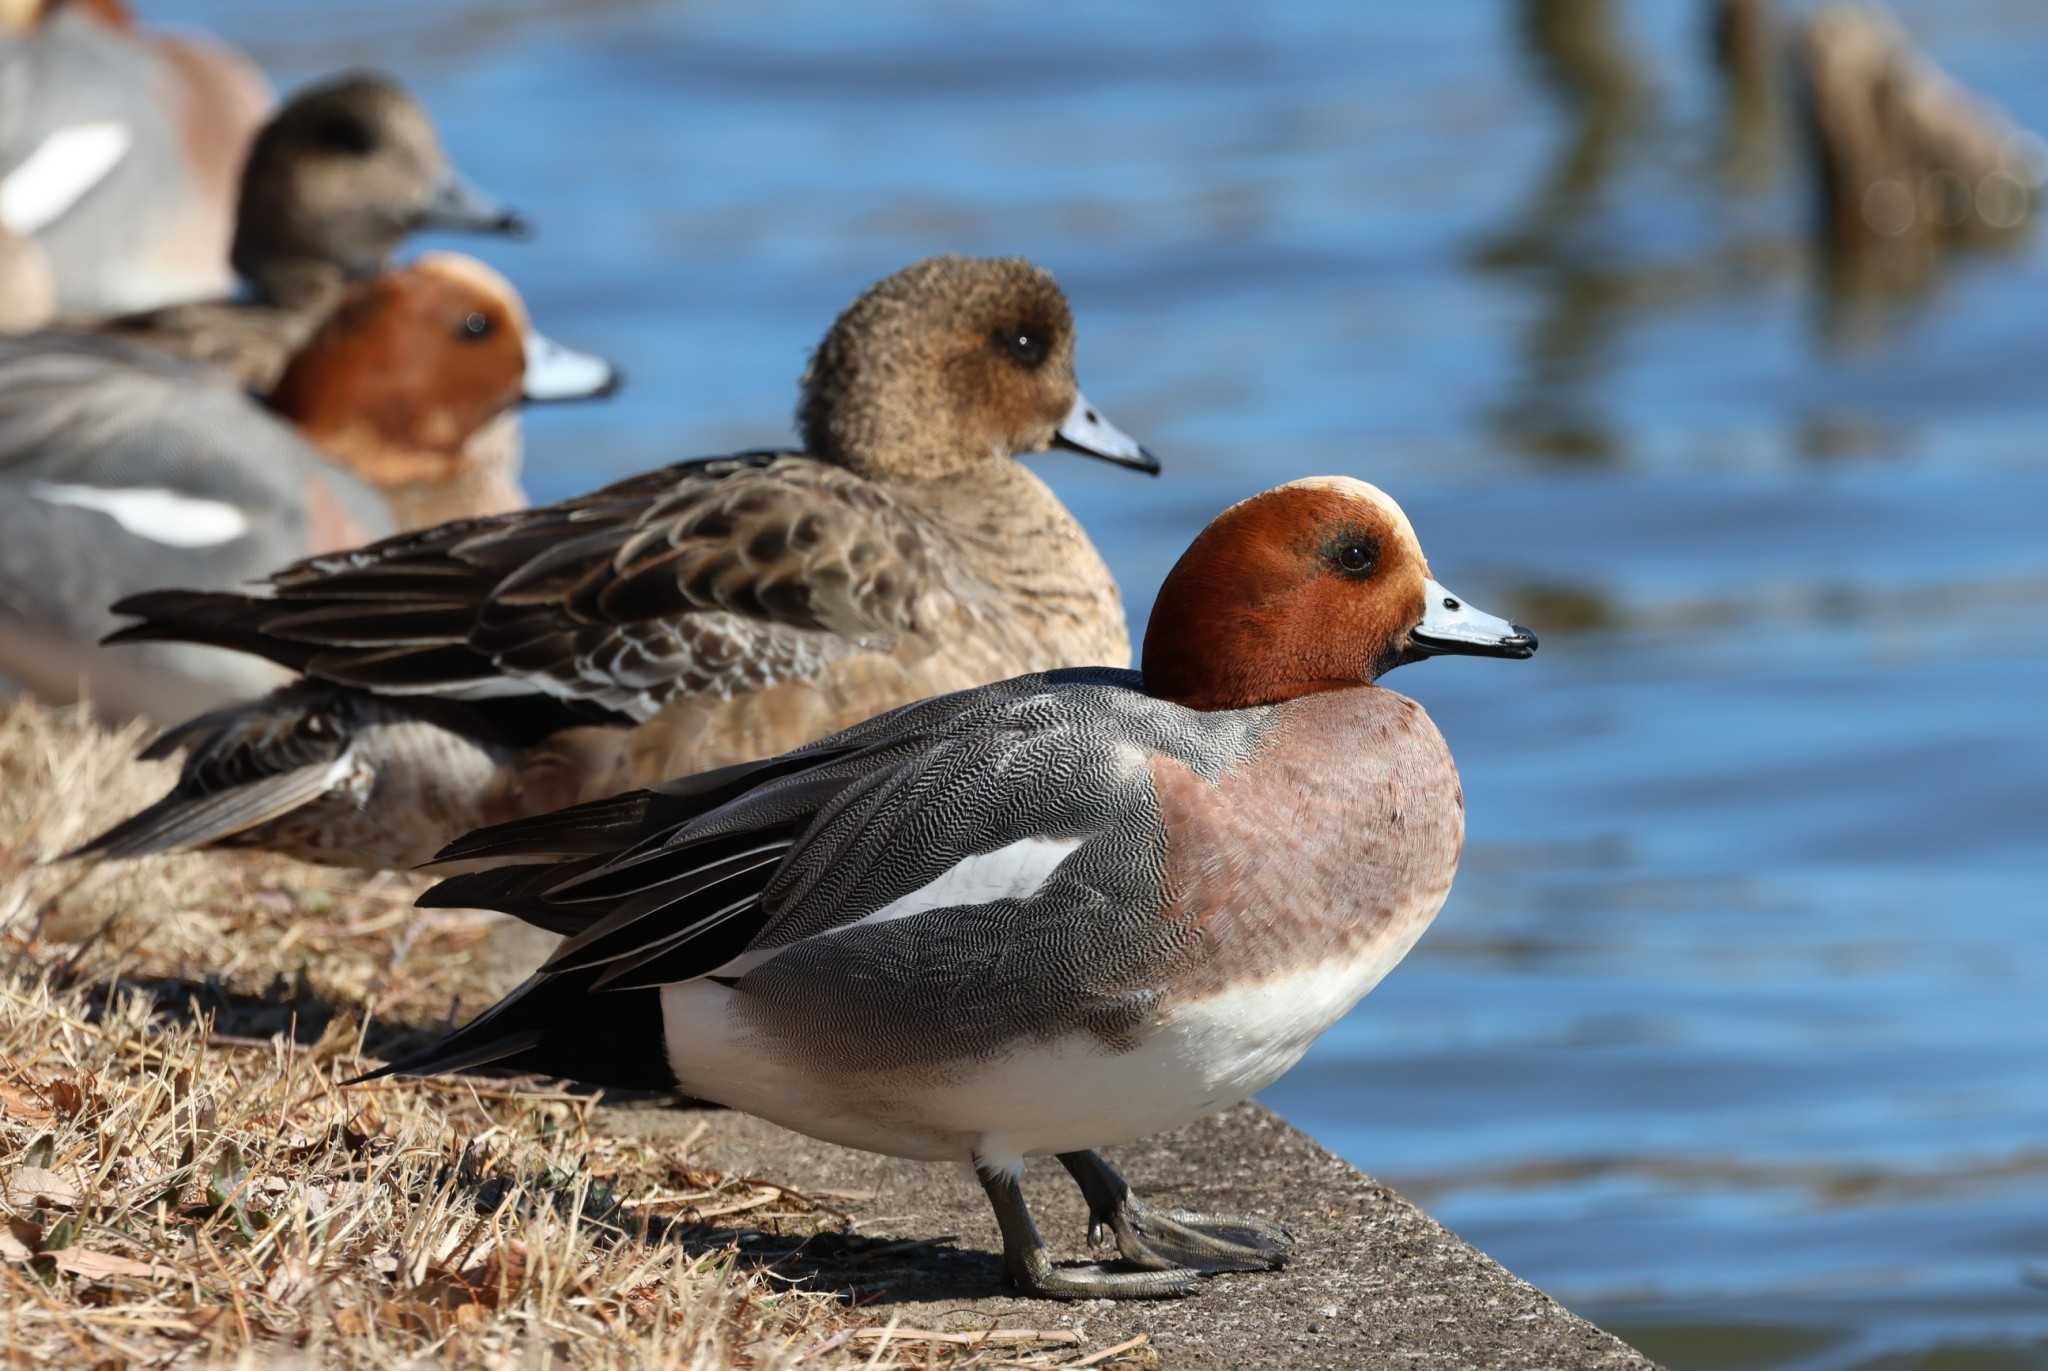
[
  {"x": 332, "y": 186},
  {"x": 122, "y": 468},
  {"x": 158, "y": 228},
  {"x": 1043, "y": 916},
  {"x": 714, "y": 611}
]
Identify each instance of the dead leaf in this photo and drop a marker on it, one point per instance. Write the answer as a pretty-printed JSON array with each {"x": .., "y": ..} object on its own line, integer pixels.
[
  {"x": 19, "y": 1239},
  {"x": 287, "y": 1281},
  {"x": 504, "y": 1272},
  {"x": 38, "y": 1185},
  {"x": 96, "y": 1266},
  {"x": 66, "y": 1097},
  {"x": 26, "y": 1105}
]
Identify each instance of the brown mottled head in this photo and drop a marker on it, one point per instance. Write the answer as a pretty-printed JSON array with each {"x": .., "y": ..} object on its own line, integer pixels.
[
  {"x": 948, "y": 364},
  {"x": 1316, "y": 585},
  {"x": 416, "y": 363},
  {"x": 341, "y": 175}
]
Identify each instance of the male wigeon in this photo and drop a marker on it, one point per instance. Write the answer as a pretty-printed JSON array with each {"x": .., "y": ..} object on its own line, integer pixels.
[
  {"x": 122, "y": 469},
  {"x": 37, "y": 188},
  {"x": 158, "y": 228},
  {"x": 1042, "y": 916},
  {"x": 333, "y": 184},
  {"x": 709, "y": 612}
]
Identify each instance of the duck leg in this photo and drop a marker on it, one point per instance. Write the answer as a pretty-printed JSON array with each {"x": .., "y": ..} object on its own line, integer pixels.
[
  {"x": 1165, "y": 1239},
  {"x": 1031, "y": 1267}
]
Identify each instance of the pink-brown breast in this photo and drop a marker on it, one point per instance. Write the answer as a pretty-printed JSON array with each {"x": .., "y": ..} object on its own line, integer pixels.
[{"x": 1337, "y": 838}]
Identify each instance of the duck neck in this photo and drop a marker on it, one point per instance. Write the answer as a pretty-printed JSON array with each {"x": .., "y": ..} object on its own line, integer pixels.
[
  {"x": 1034, "y": 556},
  {"x": 295, "y": 283}
]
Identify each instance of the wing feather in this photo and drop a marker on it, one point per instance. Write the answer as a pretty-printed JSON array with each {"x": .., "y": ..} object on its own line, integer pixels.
[
  {"x": 721, "y": 575},
  {"x": 769, "y": 854}
]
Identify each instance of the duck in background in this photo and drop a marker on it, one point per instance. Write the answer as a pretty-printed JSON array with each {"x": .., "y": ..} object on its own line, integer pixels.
[
  {"x": 123, "y": 469},
  {"x": 333, "y": 184},
  {"x": 1038, "y": 917},
  {"x": 714, "y": 611},
  {"x": 37, "y": 190},
  {"x": 157, "y": 228}
]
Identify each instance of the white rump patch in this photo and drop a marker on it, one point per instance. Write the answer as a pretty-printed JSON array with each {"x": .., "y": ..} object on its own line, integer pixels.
[
  {"x": 162, "y": 516},
  {"x": 1015, "y": 872},
  {"x": 36, "y": 192}
]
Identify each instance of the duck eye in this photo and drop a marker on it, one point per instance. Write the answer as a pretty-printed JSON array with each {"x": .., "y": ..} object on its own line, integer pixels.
[
  {"x": 345, "y": 132},
  {"x": 475, "y": 325},
  {"x": 1353, "y": 555},
  {"x": 1026, "y": 344}
]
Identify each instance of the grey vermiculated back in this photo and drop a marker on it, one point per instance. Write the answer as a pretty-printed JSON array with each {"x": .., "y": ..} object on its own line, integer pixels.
[
  {"x": 893, "y": 803},
  {"x": 73, "y": 71},
  {"x": 97, "y": 412}
]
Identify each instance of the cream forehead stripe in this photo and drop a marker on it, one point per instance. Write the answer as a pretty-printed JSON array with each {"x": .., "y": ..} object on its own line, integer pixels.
[
  {"x": 1351, "y": 488},
  {"x": 465, "y": 270}
]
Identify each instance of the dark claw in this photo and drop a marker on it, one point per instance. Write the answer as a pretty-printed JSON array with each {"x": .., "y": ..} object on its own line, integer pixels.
[
  {"x": 1160, "y": 1239},
  {"x": 1032, "y": 1271},
  {"x": 1034, "y": 1274},
  {"x": 1205, "y": 1242}
]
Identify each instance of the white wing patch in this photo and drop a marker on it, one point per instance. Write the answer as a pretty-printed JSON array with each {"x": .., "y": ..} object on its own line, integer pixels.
[
  {"x": 1015, "y": 872},
  {"x": 152, "y": 512},
  {"x": 37, "y": 191}
]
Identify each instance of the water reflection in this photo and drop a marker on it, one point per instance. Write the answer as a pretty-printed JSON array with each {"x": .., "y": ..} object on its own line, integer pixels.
[
  {"x": 1591, "y": 73},
  {"x": 1745, "y": 38},
  {"x": 1731, "y": 1032}
]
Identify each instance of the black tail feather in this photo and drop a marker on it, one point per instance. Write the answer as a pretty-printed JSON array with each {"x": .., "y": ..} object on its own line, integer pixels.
[
  {"x": 599, "y": 827},
  {"x": 702, "y": 898},
  {"x": 212, "y": 618},
  {"x": 552, "y": 1026},
  {"x": 519, "y": 890}
]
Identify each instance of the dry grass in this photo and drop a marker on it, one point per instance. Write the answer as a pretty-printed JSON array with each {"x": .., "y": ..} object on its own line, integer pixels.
[{"x": 184, "y": 1181}]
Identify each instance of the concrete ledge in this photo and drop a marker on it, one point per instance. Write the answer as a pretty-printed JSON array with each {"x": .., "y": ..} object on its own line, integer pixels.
[{"x": 1377, "y": 1282}]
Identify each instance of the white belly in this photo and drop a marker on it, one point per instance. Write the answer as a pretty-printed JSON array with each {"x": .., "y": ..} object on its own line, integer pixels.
[{"x": 1062, "y": 1095}]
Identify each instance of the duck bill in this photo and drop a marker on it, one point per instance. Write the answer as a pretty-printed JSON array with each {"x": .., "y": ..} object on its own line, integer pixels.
[
  {"x": 456, "y": 204},
  {"x": 554, "y": 372},
  {"x": 1450, "y": 625},
  {"x": 1085, "y": 431}
]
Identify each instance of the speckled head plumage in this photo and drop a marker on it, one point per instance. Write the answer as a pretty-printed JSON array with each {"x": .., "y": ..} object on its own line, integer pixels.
[
  {"x": 341, "y": 174},
  {"x": 949, "y": 363}
]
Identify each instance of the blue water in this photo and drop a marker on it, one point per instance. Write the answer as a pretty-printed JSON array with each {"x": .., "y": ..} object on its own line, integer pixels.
[{"x": 1732, "y": 1034}]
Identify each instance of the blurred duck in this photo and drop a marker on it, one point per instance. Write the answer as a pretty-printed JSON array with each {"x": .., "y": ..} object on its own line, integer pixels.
[
  {"x": 35, "y": 192},
  {"x": 713, "y": 611},
  {"x": 158, "y": 224},
  {"x": 1039, "y": 917},
  {"x": 122, "y": 469},
  {"x": 333, "y": 185}
]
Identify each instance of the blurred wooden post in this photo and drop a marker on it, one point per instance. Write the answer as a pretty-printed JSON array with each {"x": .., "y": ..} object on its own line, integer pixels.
[
  {"x": 1909, "y": 162},
  {"x": 1745, "y": 40}
]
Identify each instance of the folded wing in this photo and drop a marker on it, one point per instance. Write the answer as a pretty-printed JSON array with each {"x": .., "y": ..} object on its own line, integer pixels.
[{"x": 720, "y": 576}]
